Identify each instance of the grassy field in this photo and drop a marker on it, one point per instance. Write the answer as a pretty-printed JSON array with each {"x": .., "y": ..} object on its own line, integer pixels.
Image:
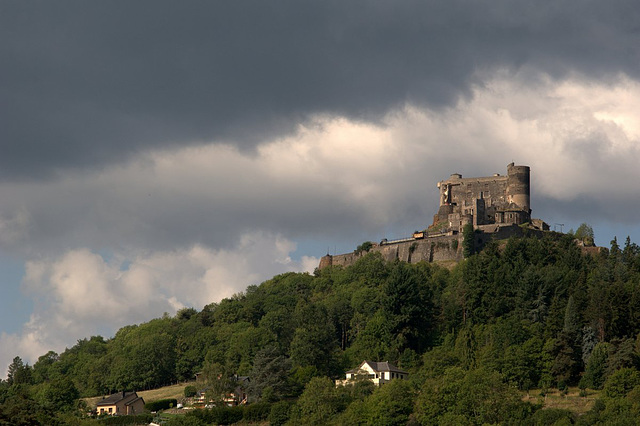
[
  {"x": 572, "y": 401},
  {"x": 173, "y": 391}
]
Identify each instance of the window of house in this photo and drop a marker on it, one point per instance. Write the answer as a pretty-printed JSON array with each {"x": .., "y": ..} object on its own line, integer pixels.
[{"x": 110, "y": 410}]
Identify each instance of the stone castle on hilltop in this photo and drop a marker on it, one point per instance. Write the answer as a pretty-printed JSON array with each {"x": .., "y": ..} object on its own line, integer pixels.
[{"x": 497, "y": 207}]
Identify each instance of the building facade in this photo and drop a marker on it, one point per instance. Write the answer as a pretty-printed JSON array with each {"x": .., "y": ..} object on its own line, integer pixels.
[
  {"x": 484, "y": 200},
  {"x": 121, "y": 404},
  {"x": 377, "y": 372}
]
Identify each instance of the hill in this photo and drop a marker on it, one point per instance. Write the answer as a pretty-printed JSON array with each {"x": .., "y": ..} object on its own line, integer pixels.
[{"x": 531, "y": 313}]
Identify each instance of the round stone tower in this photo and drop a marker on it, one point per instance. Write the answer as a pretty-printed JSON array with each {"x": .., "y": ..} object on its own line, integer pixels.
[{"x": 518, "y": 187}]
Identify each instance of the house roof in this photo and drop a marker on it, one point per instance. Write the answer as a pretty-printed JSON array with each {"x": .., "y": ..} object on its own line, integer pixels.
[
  {"x": 134, "y": 401},
  {"x": 117, "y": 397},
  {"x": 379, "y": 366}
]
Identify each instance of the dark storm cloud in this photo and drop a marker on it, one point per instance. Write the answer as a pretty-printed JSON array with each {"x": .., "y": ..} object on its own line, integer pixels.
[{"x": 84, "y": 84}]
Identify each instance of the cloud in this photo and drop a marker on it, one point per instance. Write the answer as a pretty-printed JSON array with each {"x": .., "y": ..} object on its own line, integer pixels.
[
  {"x": 91, "y": 84},
  {"x": 184, "y": 227},
  {"x": 339, "y": 179},
  {"x": 156, "y": 144},
  {"x": 83, "y": 293}
]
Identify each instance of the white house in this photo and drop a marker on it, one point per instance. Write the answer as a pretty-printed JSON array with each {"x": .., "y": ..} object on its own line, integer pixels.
[{"x": 378, "y": 372}]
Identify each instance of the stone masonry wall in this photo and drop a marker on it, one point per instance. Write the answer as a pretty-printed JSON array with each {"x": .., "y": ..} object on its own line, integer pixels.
[{"x": 431, "y": 249}]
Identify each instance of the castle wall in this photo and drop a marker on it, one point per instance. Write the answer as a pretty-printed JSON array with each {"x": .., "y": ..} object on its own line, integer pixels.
[{"x": 432, "y": 249}]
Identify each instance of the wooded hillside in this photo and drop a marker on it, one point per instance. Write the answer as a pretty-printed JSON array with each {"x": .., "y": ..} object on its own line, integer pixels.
[{"x": 530, "y": 313}]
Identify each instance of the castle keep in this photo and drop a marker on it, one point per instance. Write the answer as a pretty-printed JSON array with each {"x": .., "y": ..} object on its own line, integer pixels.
[
  {"x": 484, "y": 200},
  {"x": 496, "y": 206}
]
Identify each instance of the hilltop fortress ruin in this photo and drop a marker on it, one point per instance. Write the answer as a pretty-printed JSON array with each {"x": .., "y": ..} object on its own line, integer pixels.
[{"x": 497, "y": 207}]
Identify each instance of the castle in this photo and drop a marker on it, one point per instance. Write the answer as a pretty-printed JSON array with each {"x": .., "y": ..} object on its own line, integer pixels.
[{"x": 496, "y": 206}]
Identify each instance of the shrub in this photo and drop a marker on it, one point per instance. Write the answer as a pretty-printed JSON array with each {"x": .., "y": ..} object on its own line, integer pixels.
[
  {"x": 138, "y": 419},
  {"x": 366, "y": 246},
  {"x": 621, "y": 382},
  {"x": 226, "y": 415},
  {"x": 190, "y": 391},
  {"x": 217, "y": 415},
  {"x": 279, "y": 414},
  {"x": 256, "y": 412},
  {"x": 161, "y": 404},
  {"x": 551, "y": 416}
]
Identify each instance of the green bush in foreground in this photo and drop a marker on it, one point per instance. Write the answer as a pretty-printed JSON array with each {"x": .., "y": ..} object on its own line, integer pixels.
[
  {"x": 190, "y": 391},
  {"x": 161, "y": 404},
  {"x": 139, "y": 419}
]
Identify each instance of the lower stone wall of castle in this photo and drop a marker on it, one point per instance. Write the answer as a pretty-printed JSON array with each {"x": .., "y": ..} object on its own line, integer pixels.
[
  {"x": 434, "y": 249},
  {"x": 347, "y": 259}
]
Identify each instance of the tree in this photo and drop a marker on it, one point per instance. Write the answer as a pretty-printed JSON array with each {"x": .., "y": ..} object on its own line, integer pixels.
[
  {"x": 314, "y": 341},
  {"x": 190, "y": 391},
  {"x": 318, "y": 403},
  {"x": 60, "y": 395},
  {"x": 390, "y": 404},
  {"x": 474, "y": 397},
  {"x": 566, "y": 365},
  {"x": 621, "y": 382},
  {"x": 18, "y": 372},
  {"x": 584, "y": 233},
  {"x": 42, "y": 369},
  {"x": 468, "y": 240},
  {"x": 408, "y": 304},
  {"x": 269, "y": 377},
  {"x": 364, "y": 247},
  {"x": 594, "y": 375},
  {"x": 20, "y": 409},
  {"x": 218, "y": 380}
]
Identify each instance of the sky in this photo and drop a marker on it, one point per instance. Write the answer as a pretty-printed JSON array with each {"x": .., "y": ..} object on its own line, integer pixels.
[{"x": 158, "y": 155}]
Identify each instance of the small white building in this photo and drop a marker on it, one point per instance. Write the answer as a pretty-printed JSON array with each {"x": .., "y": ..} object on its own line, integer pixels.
[{"x": 377, "y": 372}]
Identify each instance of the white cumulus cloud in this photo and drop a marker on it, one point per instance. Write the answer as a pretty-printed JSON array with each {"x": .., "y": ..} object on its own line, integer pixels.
[{"x": 83, "y": 293}]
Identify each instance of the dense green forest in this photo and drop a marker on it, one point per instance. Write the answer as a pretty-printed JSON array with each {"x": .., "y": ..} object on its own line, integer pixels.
[{"x": 523, "y": 314}]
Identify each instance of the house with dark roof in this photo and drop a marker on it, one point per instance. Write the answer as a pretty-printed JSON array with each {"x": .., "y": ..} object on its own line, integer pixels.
[
  {"x": 120, "y": 404},
  {"x": 377, "y": 372}
]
